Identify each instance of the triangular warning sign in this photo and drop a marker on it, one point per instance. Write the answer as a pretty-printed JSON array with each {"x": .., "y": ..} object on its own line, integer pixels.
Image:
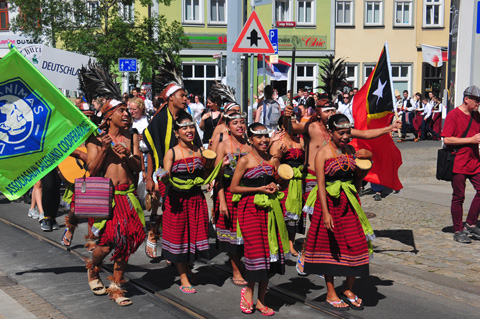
[{"x": 253, "y": 38}]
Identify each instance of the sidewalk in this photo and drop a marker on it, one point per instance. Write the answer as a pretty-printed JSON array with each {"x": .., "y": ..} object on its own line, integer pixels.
[
  {"x": 17, "y": 301},
  {"x": 414, "y": 226}
]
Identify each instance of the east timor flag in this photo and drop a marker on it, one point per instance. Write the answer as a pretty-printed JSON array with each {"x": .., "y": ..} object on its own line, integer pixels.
[{"x": 373, "y": 108}]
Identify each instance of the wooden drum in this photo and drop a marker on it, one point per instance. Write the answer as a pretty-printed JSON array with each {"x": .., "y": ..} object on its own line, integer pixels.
[
  {"x": 285, "y": 172},
  {"x": 209, "y": 157},
  {"x": 364, "y": 165}
]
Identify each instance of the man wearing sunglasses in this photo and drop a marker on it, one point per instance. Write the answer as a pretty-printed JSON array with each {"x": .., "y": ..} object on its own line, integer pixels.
[{"x": 461, "y": 134}]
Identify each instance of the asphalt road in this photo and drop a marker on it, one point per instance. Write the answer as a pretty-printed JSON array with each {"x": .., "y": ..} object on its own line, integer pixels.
[{"x": 59, "y": 277}]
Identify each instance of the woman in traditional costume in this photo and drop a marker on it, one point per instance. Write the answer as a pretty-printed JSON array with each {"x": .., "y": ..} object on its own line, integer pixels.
[
  {"x": 229, "y": 240},
  {"x": 337, "y": 238},
  {"x": 185, "y": 218},
  {"x": 260, "y": 218},
  {"x": 289, "y": 150}
]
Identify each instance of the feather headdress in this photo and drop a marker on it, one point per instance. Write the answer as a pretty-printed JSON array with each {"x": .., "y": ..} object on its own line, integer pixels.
[
  {"x": 226, "y": 94},
  {"x": 96, "y": 81},
  {"x": 169, "y": 76}
]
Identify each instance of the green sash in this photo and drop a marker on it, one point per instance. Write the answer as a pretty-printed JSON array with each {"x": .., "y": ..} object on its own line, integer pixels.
[
  {"x": 334, "y": 189},
  {"x": 67, "y": 196},
  {"x": 198, "y": 181},
  {"x": 293, "y": 203},
  {"x": 100, "y": 223},
  {"x": 275, "y": 219}
]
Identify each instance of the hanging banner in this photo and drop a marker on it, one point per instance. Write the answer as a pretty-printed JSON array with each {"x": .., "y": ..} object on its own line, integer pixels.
[{"x": 432, "y": 55}]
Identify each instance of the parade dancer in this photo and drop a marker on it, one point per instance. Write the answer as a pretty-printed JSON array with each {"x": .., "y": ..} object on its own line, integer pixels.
[
  {"x": 185, "y": 218},
  {"x": 337, "y": 238},
  {"x": 289, "y": 150},
  {"x": 260, "y": 218},
  {"x": 124, "y": 231},
  {"x": 229, "y": 239},
  {"x": 316, "y": 136}
]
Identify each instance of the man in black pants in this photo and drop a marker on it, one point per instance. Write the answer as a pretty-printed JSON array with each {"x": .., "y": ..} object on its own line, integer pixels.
[{"x": 50, "y": 200}]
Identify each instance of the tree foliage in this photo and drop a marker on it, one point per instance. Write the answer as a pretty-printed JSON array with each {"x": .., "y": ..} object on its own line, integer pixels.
[
  {"x": 104, "y": 30},
  {"x": 333, "y": 76}
]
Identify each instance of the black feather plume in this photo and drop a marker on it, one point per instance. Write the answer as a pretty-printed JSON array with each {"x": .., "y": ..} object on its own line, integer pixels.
[
  {"x": 169, "y": 71},
  {"x": 223, "y": 92},
  {"x": 96, "y": 81}
]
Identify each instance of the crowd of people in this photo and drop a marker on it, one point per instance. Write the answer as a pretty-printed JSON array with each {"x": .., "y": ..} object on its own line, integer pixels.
[{"x": 266, "y": 180}]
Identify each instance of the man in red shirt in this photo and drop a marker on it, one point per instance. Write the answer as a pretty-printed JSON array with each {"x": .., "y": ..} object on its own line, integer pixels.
[{"x": 467, "y": 162}]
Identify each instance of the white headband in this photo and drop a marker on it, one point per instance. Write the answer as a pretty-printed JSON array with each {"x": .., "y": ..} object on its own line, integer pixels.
[
  {"x": 236, "y": 116},
  {"x": 344, "y": 125},
  {"x": 325, "y": 109},
  {"x": 172, "y": 90},
  {"x": 185, "y": 124},
  {"x": 230, "y": 105},
  {"x": 115, "y": 102},
  {"x": 261, "y": 132}
]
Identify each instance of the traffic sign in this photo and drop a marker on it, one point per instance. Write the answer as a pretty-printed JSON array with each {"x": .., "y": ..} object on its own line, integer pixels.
[
  {"x": 127, "y": 65},
  {"x": 253, "y": 38},
  {"x": 273, "y": 37}
]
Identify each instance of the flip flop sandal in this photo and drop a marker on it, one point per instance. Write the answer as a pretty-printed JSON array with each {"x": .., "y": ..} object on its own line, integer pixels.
[
  {"x": 265, "y": 311},
  {"x": 331, "y": 305},
  {"x": 239, "y": 282},
  {"x": 301, "y": 273},
  {"x": 244, "y": 309},
  {"x": 187, "y": 290},
  {"x": 65, "y": 239},
  {"x": 350, "y": 302},
  {"x": 153, "y": 246}
]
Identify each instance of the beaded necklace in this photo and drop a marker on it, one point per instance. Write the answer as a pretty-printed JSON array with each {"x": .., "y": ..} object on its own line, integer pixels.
[
  {"x": 186, "y": 164},
  {"x": 292, "y": 147},
  {"x": 338, "y": 162},
  {"x": 261, "y": 164}
]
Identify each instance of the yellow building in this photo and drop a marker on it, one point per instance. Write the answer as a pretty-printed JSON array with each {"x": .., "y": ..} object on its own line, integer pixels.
[{"x": 363, "y": 26}]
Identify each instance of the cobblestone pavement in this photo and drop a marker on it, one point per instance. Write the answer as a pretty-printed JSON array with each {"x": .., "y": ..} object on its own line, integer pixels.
[{"x": 413, "y": 227}]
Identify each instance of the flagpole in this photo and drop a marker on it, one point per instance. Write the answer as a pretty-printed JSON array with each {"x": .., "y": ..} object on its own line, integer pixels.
[
  {"x": 264, "y": 74},
  {"x": 250, "y": 105},
  {"x": 292, "y": 79}
]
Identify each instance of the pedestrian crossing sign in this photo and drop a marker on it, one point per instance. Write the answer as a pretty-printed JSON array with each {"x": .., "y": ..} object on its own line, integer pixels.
[{"x": 253, "y": 38}]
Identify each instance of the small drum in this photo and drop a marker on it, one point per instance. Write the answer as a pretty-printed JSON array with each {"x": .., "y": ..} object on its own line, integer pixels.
[
  {"x": 209, "y": 157},
  {"x": 363, "y": 163},
  {"x": 285, "y": 172}
]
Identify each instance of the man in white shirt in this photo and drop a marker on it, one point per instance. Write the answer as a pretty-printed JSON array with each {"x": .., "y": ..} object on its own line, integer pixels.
[
  {"x": 345, "y": 107},
  {"x": 197, "y": 108},
  {"x": 407, "y": 118}
]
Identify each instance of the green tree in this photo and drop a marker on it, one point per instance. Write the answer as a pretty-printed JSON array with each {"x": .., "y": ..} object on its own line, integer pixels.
[{"x": 102, "y": 29}]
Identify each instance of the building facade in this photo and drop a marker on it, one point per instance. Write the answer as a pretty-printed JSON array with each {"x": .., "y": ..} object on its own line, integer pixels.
[
  {"x": 306, "y": 24},
  {"x": 363, "y": 26}
]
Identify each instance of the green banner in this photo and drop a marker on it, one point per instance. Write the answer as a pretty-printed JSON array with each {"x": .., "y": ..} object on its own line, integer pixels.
[{"x": 39, "y": 126}]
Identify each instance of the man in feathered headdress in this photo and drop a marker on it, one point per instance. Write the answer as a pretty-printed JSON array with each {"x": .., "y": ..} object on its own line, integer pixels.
[{"x": 159, "y": 136}]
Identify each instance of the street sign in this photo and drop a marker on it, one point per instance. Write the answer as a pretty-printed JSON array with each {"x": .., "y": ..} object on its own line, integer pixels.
[
  {"x": 253, "y": 38},
  {"x": 273, "y": 37},
  {"x": 127, "y": 65}
]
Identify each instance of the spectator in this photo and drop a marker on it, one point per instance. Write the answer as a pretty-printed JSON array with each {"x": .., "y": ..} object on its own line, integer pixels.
[{"x": 459, "y": 121}]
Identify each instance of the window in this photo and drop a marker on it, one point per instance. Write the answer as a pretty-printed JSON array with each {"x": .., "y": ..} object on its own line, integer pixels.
[
  {"x": 373, "y": 13},
  {"x": 193, "y": 11},
  {"x": 433, "y": 13},
  {"x": 199, "y": 77},
  {"x": 127, "y": 12},
  {"x": 401, "y": 77},
  {"x": 3, "y": 15},
  {"x": 218, "y": 11},
  {"x": 282, "y": 10},
  {"x": 403, "y": 13},
  {"x": 344, "y": 12},
  {"x": 92, "y": 8},
  {"x": 306, "y": 77},
  {"x": 306, "y": 12},
  {"x": 351, "y": 71},
  {"x": 367, "y": 69}
]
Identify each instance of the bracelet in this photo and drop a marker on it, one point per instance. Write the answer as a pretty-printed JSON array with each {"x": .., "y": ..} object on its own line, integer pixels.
[{"x": 131, "y": 155}]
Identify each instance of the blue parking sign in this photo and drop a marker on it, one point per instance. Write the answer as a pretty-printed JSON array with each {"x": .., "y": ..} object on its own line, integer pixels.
[
  {"x": 273, "y": 36},
  {"x": 127, "y": 65}
]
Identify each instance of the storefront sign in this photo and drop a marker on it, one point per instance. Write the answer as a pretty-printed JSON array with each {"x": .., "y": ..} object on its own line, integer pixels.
[
  {"x": 16, "y": 40},
  {"x": 285, "y": 42}
]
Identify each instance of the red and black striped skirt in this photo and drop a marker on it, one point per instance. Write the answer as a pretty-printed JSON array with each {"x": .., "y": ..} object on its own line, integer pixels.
[
  {"x": 341, "y": 252},
  {"x": 226, "y": 226},
  {"x": 185, "y": 226},
  {"x": 253, "y": 221},
  {"x": 123, "y": 231}
]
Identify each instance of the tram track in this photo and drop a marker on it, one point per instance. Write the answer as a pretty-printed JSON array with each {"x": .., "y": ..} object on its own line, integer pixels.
[{"x": 189, "y": 309}]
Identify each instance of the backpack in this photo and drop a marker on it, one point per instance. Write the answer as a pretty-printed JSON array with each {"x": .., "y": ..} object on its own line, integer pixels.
[{"x": 271, "y": 112}]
